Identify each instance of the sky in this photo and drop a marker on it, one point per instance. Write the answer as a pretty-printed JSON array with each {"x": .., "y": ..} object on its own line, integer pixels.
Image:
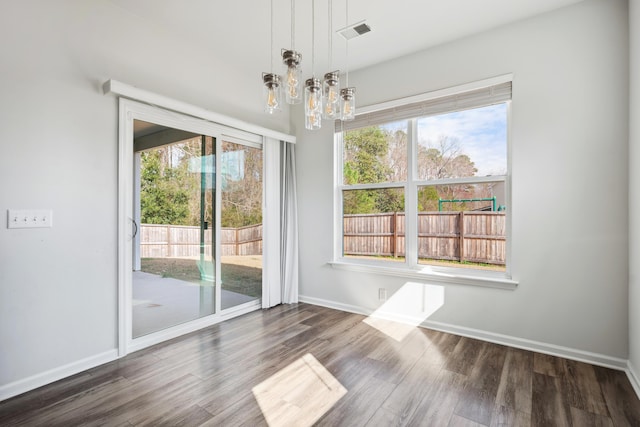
[{"x": 482, "y": 133}]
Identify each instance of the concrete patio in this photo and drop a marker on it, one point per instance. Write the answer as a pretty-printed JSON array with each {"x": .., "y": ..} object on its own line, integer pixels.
[{"x": 161, "y": 302}]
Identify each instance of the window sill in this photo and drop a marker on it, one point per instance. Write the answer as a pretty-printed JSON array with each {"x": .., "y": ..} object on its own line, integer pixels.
[{"x": 478, "y": 278}]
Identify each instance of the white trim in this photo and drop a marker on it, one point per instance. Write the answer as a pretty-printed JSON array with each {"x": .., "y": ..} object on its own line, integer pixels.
[
  {"x": 217, "y": 226},
  {"x": 192, "y": 326},
  {"x": 131, "y": 110},
  {"x": 336, "y": 305},
  {"x": 255, "y": 142},
  {"x": 465, "y": 180},
  {"x": 455, "y": 275},
  {"x": 374, "y": 186},
  {"x": 137, "y": 210},
  {"x": 453, "y": 90},
  {"x": 510, "y": 341},
  {"x": 125, "y": 194},
  {"x": 410, "y": 267},
  {"x": 633, "y": 378},
  {"x": 124, "y": 90},
  {"x": 30, "y": 383},
  {"x": 239, "y": 310},
  {"x": 338, "y": 177},
  {"x": 531, "y": 345},
  {"x": 509, "y": 190},
  {"x": 410, "y": 199},
  {"x": 27, "y": 384}
]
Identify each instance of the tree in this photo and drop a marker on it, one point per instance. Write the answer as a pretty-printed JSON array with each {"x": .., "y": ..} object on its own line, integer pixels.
[
  {"x": 365, "y": 151},
  {"x": 165, "y": 191},
  {"x": 444, "y": 159},
  {"x": 173, "y": 176},
  {"x": 359, "y": 202},
  {"x": 242, "y": 187},
  {"x": 428, "y": 199},
  {"x": 397, "y": 155},
  {"x": 373, "y": 155}
]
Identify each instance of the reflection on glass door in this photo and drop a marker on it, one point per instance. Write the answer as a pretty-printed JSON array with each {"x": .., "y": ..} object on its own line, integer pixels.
[
  {"x": 241, "y": 220},
  {"x": 174, "y": 248}
]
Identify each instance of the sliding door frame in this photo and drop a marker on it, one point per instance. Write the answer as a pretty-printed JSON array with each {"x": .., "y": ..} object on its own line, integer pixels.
[{"x": 132, "y": 110}]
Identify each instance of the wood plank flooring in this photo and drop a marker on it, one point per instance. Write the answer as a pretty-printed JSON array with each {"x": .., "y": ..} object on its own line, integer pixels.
[{"x": 303, "y": 365}]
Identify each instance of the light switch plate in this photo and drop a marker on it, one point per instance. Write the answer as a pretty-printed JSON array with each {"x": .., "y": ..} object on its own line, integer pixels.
[{"x": 29, "y": 218}]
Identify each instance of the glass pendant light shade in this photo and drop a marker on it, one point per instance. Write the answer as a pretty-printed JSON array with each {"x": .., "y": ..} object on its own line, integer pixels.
[
  {"x": 312, "y": 104},
  {"x": 272, "y": 92},
  {"x": 291, "y": 59},
  {"x": 348, "y": 103},
  {"x": 331, "y": 95}
]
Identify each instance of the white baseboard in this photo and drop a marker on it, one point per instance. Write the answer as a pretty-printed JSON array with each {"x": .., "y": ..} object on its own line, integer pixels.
[
  {"x": 536, "y": 346},
  {"x": 633, "y": 378},
  {"x": 44, "y": 378},
  {"x": 335, "y": 305},
  {"x": 18, "y": 387},
  {"x": 522, "y": 343}
]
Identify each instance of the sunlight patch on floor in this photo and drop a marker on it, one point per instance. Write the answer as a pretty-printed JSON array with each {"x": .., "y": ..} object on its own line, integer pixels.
[
  {"x": 298, "y": 394},
  {"x": 393, "y": 329},
  {"x": 407, "y": 308}
]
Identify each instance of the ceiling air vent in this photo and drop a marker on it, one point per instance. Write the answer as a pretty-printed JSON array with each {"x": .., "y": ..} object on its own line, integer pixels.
[{"x": 355, "y": 30}]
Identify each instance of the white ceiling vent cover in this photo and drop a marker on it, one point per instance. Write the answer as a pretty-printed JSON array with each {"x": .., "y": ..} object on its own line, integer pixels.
[{"x": 354, "y": 30}]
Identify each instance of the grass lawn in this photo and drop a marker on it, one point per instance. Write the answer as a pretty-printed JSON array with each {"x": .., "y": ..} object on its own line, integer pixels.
[{"x": 236, "y": 278}]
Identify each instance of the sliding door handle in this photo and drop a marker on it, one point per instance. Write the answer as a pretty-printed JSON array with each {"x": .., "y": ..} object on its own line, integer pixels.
[{"x": 135, "y": 228}]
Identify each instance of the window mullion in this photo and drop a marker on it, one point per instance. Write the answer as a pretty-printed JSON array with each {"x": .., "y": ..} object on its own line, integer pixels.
[
  {"x": 509, "y": 214},
  {"x": 338, "y": 226},
  {"x": 375, "y": 186},
  {"x": 411, "y": 198},
  {"x": 464, "y": 180}
]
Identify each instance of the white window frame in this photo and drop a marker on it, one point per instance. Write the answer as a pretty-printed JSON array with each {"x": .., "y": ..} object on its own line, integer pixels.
[
  {"x": 139, "y": 104},
  {"x": 410, "y": 267}
]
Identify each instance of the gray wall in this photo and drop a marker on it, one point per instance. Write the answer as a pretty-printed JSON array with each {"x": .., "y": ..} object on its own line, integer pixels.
[
  {"x": 569, "y": 206},
  {"x": 58, "y": 134},
  {"x": 634, "y": 188}
]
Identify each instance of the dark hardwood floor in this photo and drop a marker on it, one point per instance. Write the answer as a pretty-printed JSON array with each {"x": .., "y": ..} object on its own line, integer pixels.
[{"x": 305, "y": 365}]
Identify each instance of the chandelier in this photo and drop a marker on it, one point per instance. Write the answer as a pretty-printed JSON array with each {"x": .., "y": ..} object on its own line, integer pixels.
[{"x": 323, "y": 99}]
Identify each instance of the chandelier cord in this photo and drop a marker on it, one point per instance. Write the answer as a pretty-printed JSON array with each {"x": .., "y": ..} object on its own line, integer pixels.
[
  {"x": 293, "y": 25},
  {"x": 271, "y": 41},
  {"x": 330, "y": 41},
  {"x": 347, "y": 46},
  {"x": 313, "y": 38}
]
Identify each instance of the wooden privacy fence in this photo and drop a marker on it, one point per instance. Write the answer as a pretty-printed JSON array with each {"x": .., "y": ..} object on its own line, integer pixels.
[
  {"x": 180, "y": 241},
  {"x": 456, "y": 236}
]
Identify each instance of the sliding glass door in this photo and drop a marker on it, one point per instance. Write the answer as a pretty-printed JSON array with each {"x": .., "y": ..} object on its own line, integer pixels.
[
  {"x": 241, "y": 221},
  {"x": 191, "y": 210},
  {"x": 174, "y": 265}
]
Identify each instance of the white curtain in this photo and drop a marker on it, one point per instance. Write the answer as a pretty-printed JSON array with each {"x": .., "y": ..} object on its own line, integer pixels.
[
  {"x": 289, "y": 226},
  {"x": 271, "y": 234}
]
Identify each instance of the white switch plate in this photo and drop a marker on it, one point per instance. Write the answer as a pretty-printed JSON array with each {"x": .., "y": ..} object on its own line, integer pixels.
[{"x": 29, "y": 218}]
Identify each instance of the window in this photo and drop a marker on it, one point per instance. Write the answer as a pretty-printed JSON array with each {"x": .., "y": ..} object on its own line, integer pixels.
[{"x": 424, "y": 185}]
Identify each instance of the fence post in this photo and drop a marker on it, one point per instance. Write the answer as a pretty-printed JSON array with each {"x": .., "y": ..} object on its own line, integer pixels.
[
  {"x": 168, "y": 255},
  {"x": 237, "y": 251},
  {"x": 461, "y": 231},
  {"x": 394, "y": 242}
]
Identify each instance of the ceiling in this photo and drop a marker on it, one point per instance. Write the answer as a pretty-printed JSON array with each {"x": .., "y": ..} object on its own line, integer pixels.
[{"x": 239, "y": 31}]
